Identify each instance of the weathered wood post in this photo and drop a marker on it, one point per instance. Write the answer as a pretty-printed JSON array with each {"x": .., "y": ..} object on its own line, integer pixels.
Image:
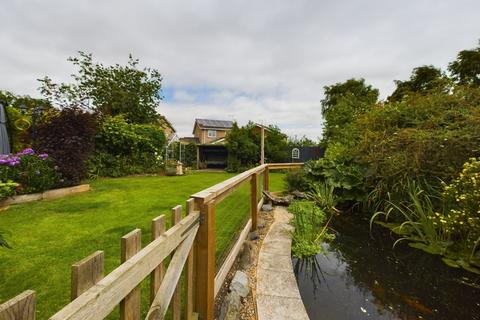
[
  {"x": 158, "y": 228},
  {"x": 205, "y": 260},
  {"x": 131, "y": 244},
  {"x": 266, "y": 179},
  {"x": 254, "y": 200},
  {"x": 177, "y": 295},
  {"x": 86, "y": 273},
  {"x": 190, "y": 271},
  {"x": 22, "y": 307}
]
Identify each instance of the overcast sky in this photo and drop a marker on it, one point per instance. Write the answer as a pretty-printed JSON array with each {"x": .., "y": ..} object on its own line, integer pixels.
[{"x": 265, "y": 61}]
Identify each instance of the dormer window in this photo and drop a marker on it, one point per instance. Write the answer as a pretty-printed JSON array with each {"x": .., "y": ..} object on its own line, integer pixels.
[
  {"x": 295, "y": 153},
  {"x": 212, "y": 133}
]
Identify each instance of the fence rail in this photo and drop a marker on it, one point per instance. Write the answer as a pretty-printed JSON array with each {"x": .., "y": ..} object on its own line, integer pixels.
[{"x": 190, "y": 243}]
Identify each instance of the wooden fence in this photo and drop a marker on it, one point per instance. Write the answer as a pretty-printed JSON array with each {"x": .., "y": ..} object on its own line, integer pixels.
[{"x": 190, "y": 244}]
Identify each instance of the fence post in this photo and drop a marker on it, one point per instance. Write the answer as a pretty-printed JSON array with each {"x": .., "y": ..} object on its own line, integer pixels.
[
  {"x": 205, "y": 261},
  {"x": 176, "y": 299},
  {"x": 130, "y": 306},
  {"x": 254, "y": 200},
  {"x": 22, "y": 307},
  {"x": 266, "y": 179},
  {"x": 189, "y": 278},
  {"x": 86, "y": 273},
  {"x": 158, "y": 228}
]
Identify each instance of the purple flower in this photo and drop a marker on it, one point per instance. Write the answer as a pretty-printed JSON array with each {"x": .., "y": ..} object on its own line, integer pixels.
[
  {"x": 26, "y": 152},
  {"x": 4, "y": 161},
  {"x": 43, "y": 156}
]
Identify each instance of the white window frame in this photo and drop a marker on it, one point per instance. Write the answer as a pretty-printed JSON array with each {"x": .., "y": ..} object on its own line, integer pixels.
[
  {"x": 295, "y": 153},
  {"x": 212, "y": 133}
]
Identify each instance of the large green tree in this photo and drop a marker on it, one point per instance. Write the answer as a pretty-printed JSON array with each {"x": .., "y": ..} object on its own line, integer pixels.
[
  {"x": 343, "y": 102},
  {"x": 466, "y": 68},
  {"x": 110, "y": 90},
  {"x": 423, "y": 79}
]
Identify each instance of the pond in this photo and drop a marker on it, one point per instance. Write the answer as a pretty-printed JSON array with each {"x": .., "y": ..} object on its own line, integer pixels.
[{"x": 359, "y": 276}]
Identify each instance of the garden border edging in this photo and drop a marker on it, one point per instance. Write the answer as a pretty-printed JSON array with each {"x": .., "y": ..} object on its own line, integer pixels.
[{"x": 46, "y": 195}]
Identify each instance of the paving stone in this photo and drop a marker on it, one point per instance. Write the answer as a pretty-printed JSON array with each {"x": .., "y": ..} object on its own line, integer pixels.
[
  {"x": 275, "y": 261},
  {"x": 280, "y": 308},
  {"x": 277, "y": 282}
]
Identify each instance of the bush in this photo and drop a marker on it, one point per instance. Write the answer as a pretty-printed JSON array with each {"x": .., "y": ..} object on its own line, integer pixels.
[
  {"x": 18, "y": 125},
  {"x": 123, "y": 148},
  {"x": 68, "y": 137},
  {"x": 462, "y": 203},
  {"x": 297, "y": 180},
  {"x": 32, "y": 172},
  {"x": 7, "y": 189}
]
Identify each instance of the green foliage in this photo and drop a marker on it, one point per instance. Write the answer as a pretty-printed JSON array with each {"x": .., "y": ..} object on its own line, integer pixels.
[
  {"x": 452, "y": 233},
  {"x": 462, "y": 207},
  {"x": 18, "y": 124},
  {"x": 190, "y": 155},
  {"x": 323, "y": 195},
  {"x": 343, "y": 103},
  {"x": 297, "y": 180},
  {"x": 110, "y": 90},
  {"x": 122, "y": 148},
  {"x": 29, "y": 172},
  {"x": 423, "y": 80},
  {"x": 7, "y": 189},
  {"x": 310, "y": 228},
  {"x": 243, "y": 145},
  {"x": 466, "y": 68},
  {"x": 301, "y": 142}
]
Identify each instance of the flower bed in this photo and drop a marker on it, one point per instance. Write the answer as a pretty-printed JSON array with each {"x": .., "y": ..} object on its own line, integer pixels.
[{"x": 26, "y": 172}]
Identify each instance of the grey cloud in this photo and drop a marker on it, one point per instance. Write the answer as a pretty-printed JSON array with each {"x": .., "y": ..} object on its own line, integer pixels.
[{"x": 267, "y": 60}]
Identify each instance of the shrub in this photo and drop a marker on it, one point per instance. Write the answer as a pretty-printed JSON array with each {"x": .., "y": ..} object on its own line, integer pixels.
[
  {"x": 18, "y": 125},
  {"x": 68, "y": 137},
  {"x": 123, "y": 148},
  {"x": 32, "y": 172},
  {"x": 462, "y": 203},
  {"x": 7, "y": 189},
  {"x": 297, "y": 180}
]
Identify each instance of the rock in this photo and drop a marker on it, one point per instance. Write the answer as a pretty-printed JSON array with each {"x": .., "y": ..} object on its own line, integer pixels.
[
  {"x": 231, "y": 307},
  {"x": 246, "y": 257},
  {"x": 239, "y": 284},
  {"x": 260, "y": 223},
  {"x": 253, "y": 235},
  {"x": 267, "y": 207},
  {"x": 299, "y": 195}
]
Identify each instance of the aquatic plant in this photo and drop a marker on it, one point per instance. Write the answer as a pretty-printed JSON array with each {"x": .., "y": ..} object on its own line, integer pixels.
[
  {"x": 310, "y": 228},
  {"x": 323, "y": 194}
]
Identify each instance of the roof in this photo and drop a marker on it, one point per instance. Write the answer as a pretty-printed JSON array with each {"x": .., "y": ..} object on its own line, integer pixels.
[
  {"x": 222, "y": 124},
  {"x": 189, "y": 140},
  {"x": 165, "y": 123}
]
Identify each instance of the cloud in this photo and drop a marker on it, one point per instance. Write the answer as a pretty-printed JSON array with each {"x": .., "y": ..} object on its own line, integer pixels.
[{"x": 265, "y": 61}]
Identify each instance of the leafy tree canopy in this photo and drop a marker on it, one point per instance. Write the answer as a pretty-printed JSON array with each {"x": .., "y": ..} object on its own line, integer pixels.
[
  {"x": 466, "y": 68},
  {"x": 9, "y": 99},
  {"x": 110, "y": 90},
  {"x": 343, "y": 102},
  {"x": 423, "y": 80},
  {"x": 303, "y": 141}
]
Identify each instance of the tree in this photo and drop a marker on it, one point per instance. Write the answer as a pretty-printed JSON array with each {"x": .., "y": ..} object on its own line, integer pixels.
[
  {"x": 301, "y": 142},
  {"x": 110, "y": 90},
  {"x": 423, "y": 79},
  {"x": 343, "y": 102},
  {"x": 243, "y": 145},
  {"x": 466, "y": 68}
]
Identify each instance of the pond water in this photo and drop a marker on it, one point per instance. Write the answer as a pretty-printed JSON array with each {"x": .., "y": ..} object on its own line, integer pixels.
[{"x": 358, "y": 277}]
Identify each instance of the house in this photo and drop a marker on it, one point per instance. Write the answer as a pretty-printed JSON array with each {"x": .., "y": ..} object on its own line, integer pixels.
[
  {"x": 167, "y": 127},
  {"x": 211, "y": 150}
]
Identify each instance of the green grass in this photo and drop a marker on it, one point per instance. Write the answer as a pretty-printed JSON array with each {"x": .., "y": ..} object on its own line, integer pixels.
[{"x": 47, "y": 237}]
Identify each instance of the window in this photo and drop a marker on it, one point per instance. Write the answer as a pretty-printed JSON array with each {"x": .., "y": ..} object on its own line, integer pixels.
[
  {"x": 212, "y": 133},
  {"x": 295, "y": 153}
]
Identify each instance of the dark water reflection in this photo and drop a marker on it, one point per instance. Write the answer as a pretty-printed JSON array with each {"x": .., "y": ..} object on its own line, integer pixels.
[{"x": 363, "y": 278}]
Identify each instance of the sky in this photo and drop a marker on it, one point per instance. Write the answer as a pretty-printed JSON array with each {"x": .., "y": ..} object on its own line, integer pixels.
[{"x": 265, "y": 61}]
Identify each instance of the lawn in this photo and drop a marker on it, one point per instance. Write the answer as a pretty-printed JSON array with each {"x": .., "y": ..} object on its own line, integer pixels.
[{"x": 49, "y": 236}]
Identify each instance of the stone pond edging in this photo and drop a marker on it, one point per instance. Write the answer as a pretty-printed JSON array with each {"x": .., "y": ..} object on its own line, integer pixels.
[
  {"x": 277, "y": 293},
  {"x": 47, "y": 195}
]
